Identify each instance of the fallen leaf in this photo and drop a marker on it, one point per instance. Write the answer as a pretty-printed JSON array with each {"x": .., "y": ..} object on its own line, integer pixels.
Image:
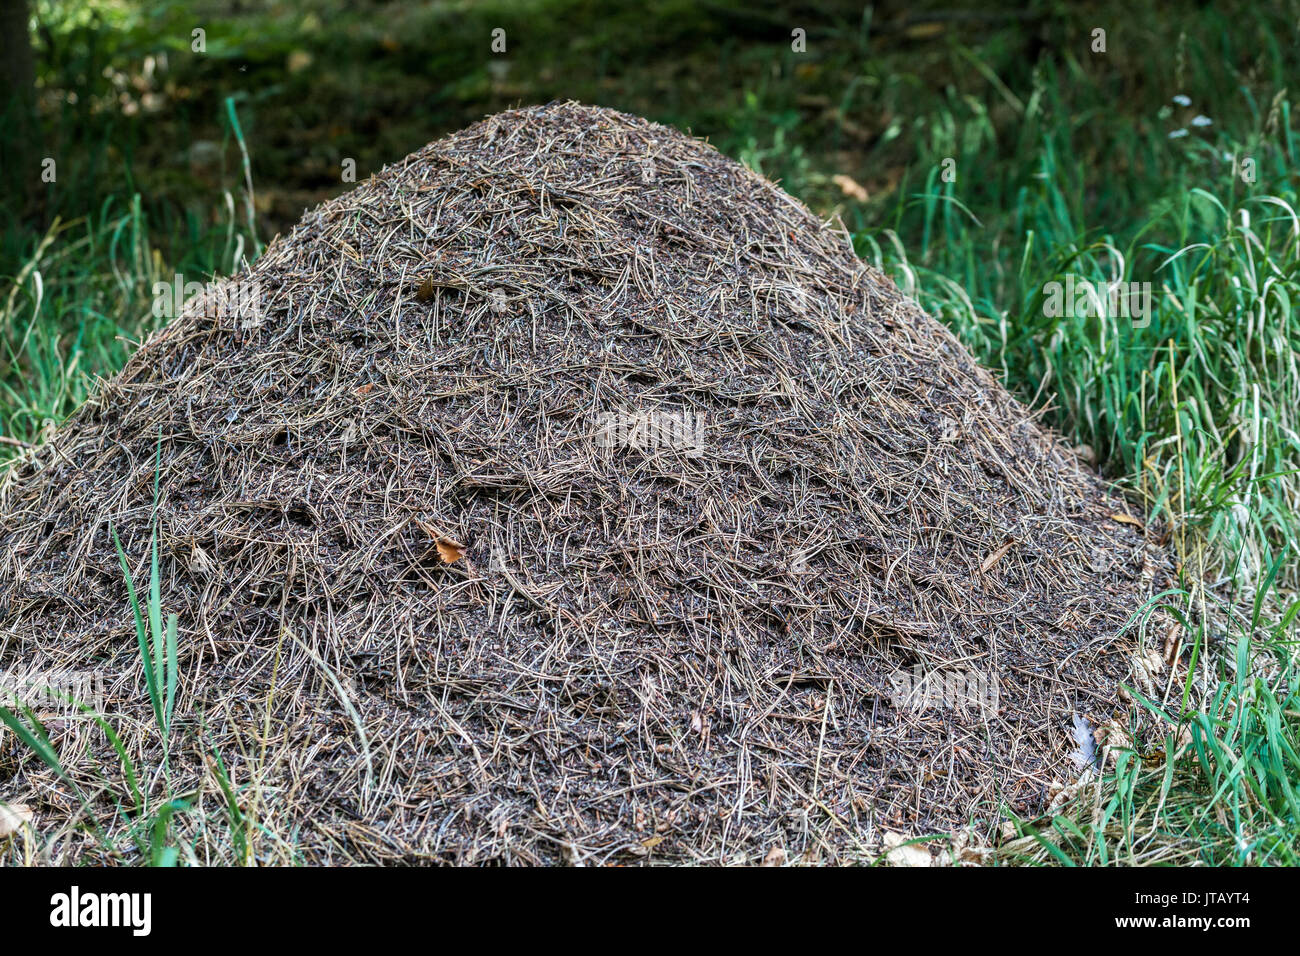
[
  {"x": 902, "y": 853},
  {"x": 450, "y": 551},
  {"x": 1114, "y": 739},
  {"x": 997, "y": 555},
  {"x": 200, "y": 561},
  {"x": 1126, "y": 519},
  {"x": 850, "y": 187},
  {"x": 1064, "y": 794},
  {"x": 13, "y": 816},
  {"x": 963, "y": 850}
]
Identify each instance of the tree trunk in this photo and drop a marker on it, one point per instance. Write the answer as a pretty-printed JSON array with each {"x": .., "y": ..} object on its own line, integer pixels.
[{"x": 18, "y": 144}]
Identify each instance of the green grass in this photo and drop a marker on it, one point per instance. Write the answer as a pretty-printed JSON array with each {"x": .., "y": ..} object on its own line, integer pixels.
[
  {"x": 148, "y": 821},
  {"x": 1065, "y": 167},
  {"x": 1193, "y": 412},
  {"x": 1196, "y": 409},
  {"x": 157, "y": 646},
  {"x": 1220, "y": 788}
]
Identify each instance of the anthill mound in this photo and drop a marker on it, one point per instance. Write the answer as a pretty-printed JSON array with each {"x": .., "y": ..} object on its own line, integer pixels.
[{"x": 569, "y": 492}]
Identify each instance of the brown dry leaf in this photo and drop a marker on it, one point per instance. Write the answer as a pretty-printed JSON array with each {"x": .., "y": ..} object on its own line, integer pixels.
[
  {"x": 967, "y": 851},
  {"x": 902, "y": 853},
  {"x": 1147, "y": 668},
  {"x": 1127, "y": 519},
  {"x": 850, "y": 187},
  {"x": 450, "y": 551},
  {"x": 1063, "y": 794},
  {"x": 775, "y": 857},
  {"x": 13, "y": 816},
  {"x": 997, "y": 555},
  {"x": 1114, "y": 739},
  {"x": 201, "y": 562}
]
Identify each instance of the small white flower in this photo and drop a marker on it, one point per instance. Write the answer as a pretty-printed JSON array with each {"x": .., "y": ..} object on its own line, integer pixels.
[
  {"x": 1183, "y": 100},
  {"x": 1202, "y": 120},
  {"x": 1177, "y": 133}
]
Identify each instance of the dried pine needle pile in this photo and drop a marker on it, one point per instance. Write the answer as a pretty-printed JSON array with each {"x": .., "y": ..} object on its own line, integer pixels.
[{"x": 569, "y": 492}]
